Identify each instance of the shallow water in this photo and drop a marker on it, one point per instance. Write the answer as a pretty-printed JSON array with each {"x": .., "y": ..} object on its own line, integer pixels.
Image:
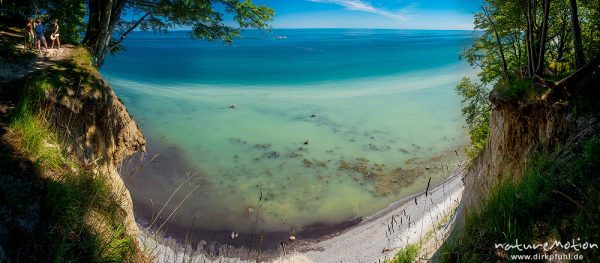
[{"x": 377, "y": 109}]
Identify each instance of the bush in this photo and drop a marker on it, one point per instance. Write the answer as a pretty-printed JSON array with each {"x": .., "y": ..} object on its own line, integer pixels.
[{"x": 476, "y": 110}]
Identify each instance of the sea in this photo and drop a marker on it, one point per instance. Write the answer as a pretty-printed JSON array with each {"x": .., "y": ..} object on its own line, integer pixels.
[{"x": 288, "y": 130}]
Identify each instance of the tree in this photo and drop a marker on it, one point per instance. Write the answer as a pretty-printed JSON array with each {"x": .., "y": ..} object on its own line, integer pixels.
[
  {"x": 498, "y": 41},
  {"x": 476, "y": 109},
  {"x": 70, "y": 14},
  {"x": 205, "y": 17},
  {"x": 539, "y": 68},
  {"x": 577, "y": 41}
]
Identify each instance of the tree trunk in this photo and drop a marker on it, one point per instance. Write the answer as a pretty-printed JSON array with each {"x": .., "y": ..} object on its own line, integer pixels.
[
  {"x": 528, "y": 46},
  {"x": 531, "y": 50},
  {"x": 504, "y": 64},
  {"x": 562, "y": 39},
  {"x": 102, "y": 20},
  {"x": 542, "y": 52},
  {"x": 518, "y": 47},
  {"x": 577, "y": 42}
]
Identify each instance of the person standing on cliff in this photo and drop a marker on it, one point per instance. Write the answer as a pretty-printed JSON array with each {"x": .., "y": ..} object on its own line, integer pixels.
[
  {"x": 39, "y": 35},
  {"x": 29, "y": 36},
  {"x": 55, "y": 35}
]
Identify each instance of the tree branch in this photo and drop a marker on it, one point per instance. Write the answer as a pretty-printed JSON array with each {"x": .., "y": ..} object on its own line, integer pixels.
[
  {"x": 136, "y": 24},
  {"x": 504, "y": 64},
  {"x": 577, "y": 75}
]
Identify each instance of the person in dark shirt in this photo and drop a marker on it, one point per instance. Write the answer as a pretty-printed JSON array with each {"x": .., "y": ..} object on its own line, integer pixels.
[{"x": 39, "y": 35}]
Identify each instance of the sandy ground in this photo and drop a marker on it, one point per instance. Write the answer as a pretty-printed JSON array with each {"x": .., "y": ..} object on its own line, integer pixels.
[
  {"x": 11, "y": 71},
  {"x": 375, "y": 239}
]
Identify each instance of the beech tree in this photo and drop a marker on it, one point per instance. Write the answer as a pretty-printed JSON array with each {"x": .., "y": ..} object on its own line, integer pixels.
[
  {"x": 207, "y": 19},
  {"x": 523, "y": 46},
  {"x": 578, "y": 43},
  {"x": 534, "y": 38}
]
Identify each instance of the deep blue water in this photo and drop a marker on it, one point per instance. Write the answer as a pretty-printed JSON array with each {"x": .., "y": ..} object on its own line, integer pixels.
[{"x": 305, "y": 55}]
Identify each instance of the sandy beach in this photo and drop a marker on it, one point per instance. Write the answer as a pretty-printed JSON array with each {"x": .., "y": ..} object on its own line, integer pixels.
[
  {"x": 382, "y": 235},
  {"x": 413, "y": 219}
]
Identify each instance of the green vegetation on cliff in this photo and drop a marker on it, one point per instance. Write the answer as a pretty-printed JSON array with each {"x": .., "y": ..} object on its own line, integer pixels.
[
  {"x": 78, "y": 217},
  {"x": 555, "y": 200}
]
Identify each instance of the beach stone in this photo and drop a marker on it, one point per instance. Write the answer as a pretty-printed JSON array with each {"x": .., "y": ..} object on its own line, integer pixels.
[{"x": 292, "y": 238}]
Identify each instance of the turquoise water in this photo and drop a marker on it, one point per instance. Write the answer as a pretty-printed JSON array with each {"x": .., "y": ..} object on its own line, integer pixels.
[{"x": 377, "y": 109}]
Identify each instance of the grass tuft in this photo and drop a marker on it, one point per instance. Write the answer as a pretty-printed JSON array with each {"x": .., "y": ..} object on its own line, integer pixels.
[{"x": 407, "y": 254}]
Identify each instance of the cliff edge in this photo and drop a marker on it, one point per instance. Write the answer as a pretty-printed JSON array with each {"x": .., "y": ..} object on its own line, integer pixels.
[{"x": 64, "y": 134}]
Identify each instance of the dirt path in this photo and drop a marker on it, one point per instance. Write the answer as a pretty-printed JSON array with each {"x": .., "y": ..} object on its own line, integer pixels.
[{"x": 28, "y": 61}]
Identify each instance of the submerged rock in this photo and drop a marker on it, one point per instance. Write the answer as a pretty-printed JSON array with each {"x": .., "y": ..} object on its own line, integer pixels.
[
  {"x": 307, "y": 163},
  {"x": 273, "y": 154},
  {"x": 294, "y": 155},
  {"x": 262, "y": 146}
]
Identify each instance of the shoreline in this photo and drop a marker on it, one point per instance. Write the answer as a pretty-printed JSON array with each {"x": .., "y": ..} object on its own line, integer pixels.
[
  {"x": 384, "y": 233},
  {"x": 378, "y": 236}
]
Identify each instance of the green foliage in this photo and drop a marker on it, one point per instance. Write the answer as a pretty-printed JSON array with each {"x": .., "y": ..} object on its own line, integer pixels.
[
  {"x": 485, "y": 53},
  {"x": 70, "y": 14},
  {"x": 556, "y": 199},
  {"x": 590, "y": 29},
  {"x": 508, "y": 19},
  {"x": 476, "y": 110},
  {"x": 205, "y": 18},
  {"x": 69, "y": 202},
  {"x": 406, "y": 255},
  {"x": 516, "y": 88},
  {"x": 32, "y": 127}
]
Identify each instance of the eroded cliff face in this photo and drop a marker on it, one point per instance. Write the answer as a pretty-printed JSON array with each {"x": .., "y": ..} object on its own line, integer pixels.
[
  {"x": 97, "y": 130},
  {"x": 516, "y": 129}
]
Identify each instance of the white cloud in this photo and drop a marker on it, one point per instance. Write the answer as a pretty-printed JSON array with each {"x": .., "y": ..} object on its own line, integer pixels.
[{"x": 359, "y": 5}]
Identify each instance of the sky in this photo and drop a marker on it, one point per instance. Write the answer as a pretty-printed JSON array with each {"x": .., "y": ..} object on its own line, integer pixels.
[{"x": 400, "y": 14}]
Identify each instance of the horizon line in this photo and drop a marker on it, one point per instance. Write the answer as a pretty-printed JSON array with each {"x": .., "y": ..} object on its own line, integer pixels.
[{"x": 368, "y": 28}]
